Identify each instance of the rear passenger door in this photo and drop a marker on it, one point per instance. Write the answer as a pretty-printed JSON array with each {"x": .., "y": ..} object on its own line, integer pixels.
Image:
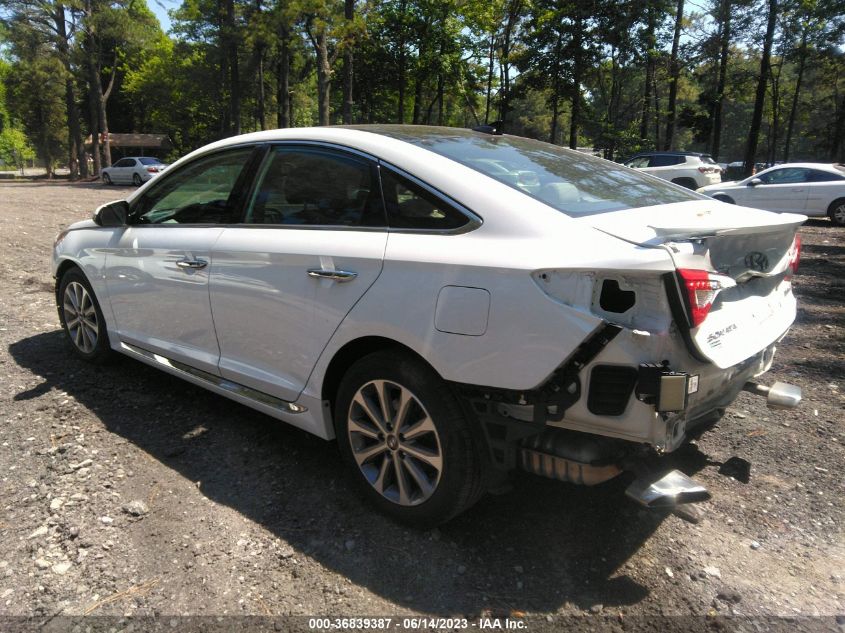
[{"x": 311, "y": 244}]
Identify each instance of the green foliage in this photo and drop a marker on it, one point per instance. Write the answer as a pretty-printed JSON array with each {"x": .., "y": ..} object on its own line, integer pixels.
[{"x": 15, "y": 149}]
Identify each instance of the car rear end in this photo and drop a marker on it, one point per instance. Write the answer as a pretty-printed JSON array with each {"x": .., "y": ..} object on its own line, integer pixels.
[{"x": 707, "y": 171}]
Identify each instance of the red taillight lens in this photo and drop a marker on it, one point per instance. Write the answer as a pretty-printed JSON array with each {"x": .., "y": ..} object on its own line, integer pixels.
[
  {"x": 152, "y": 170},
  {"x": 795, "y": 259},
  {"x": 701, "y": 291},
  {"x": 708, "y": 170}
]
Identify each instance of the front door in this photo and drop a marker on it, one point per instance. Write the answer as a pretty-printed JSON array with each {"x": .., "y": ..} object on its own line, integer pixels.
[
  {"x": 783, "y": 190},
  {"x": 157, "y": 272},
  {"x": 312, "y": 243}
]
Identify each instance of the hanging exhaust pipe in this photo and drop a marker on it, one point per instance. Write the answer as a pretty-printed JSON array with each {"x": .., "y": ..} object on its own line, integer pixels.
[
  {"x": 780, "y": 395},
  {"x": 667, "y": 491}
]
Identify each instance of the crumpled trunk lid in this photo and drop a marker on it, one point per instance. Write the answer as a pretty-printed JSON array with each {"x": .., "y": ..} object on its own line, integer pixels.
[{"x": 753, "y": 248}]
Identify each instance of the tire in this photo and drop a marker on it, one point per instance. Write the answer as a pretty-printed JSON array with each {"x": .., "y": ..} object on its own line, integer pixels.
[
  {"x": 87, "y": 336},
  {"x": 689, "y": 183},
  {"x": 836, "y": 212},
  {"x": 423, "y": 480},
  {"x": 136, "y": 180},
  {"x": 106, "y": 179},
  {"x": 723, "y": 198}
]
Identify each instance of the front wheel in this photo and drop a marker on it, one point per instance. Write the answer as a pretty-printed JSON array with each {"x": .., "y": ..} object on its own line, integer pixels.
[
  {"x": 406, "y": 440},
  {"x": 836, "y": 212},
  {"x": 82, "y": 319}
]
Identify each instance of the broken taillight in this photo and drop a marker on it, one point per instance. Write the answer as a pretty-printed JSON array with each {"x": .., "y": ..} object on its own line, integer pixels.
[
  {"x": 795, "y": 256},
  {"x": 701, "y": 288}
]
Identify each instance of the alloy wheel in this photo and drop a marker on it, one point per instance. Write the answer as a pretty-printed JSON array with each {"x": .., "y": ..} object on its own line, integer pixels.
[
  {"x": 394, "y": 442},
  {"x": 80, "y": 317},
  {"x": 839, "y": 214}
]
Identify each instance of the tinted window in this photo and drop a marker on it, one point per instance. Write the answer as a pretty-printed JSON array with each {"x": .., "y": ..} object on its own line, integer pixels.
[
  {"x": 664, "y": 160},
  {"x": 125, "y": 162},
  {"x": 149, "y": 161},
  {"x": 639, "y": 162},
  {"x": 201, "y": 192},
  {"x": 569, "y": 181},
  {"x": 816, "y": 175},
  {"x": 410, "y": 206},
  {"x": 316, "y": 187},
  {"x": 785, "y": 176}
]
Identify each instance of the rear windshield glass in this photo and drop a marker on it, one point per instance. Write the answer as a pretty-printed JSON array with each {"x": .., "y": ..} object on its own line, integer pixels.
[
  {"x": 569, "y": 181},
  {"x": 150, "y": 161}
]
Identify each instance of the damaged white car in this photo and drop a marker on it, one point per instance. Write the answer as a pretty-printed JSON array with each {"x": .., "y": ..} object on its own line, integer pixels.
[{"x": 448, "y": 304}]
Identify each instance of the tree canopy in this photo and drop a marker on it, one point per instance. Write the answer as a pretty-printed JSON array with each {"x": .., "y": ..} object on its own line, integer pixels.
[{"x": 752, "y": 80}]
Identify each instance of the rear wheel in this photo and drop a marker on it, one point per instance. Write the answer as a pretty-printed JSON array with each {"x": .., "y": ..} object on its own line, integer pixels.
[
  {"x": 106, "y": 179},
  {"x": 136, "y": 180},
  {"x": 82, "y": 319},
  {"x": 836, "y": 211},
  {"x": 406, "y": 440}
]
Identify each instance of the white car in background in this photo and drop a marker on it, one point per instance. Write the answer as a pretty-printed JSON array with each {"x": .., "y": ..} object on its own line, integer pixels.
[
  {"x": 814, "y": 189},
  {"x": 448, "y": 304},
  {"x": 688, "y": 169},
  {"x": 135, "y": 170}
]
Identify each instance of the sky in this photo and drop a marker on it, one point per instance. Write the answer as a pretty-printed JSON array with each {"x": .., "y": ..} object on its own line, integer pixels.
[{"x": 160, "y": 8}]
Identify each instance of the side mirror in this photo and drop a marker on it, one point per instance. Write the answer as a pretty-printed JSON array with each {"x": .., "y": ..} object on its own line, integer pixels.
[
  {"x": 112, "y": 214},
  {"x": 754, "y": 182}
]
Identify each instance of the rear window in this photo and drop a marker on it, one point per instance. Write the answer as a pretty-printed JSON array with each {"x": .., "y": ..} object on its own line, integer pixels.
[
  {"x": 150, "y": 161},
  {"x": 571, "y": 182}
]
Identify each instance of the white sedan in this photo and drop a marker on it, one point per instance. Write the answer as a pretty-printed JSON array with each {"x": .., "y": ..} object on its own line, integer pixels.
[
  {"x": 397, "y": 289},
  {"x": 134, "y": 170},
  {"x": 814, "y": 189}
]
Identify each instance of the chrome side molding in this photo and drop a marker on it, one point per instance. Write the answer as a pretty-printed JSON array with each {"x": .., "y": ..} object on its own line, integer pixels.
[
  {"x": 780, "y": 395},
  {"x": 216, "y": 381}
]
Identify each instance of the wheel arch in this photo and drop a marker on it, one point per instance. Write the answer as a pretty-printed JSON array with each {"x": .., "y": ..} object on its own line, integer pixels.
[
  {"x": 64, "y": 266},
  {"x": 351, "y": 352}
]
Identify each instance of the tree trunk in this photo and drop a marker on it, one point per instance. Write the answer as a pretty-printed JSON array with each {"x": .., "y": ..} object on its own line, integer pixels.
[
  {"x": 514, "y": 10},
  {"x": 283, "y": 82},
  {"x": 723, "y": 77},
  {"x": 490, "y": 78},
  {"x": 400, "y": 109},
  {"x": 92, "y": 71},
  {"x": 577, "y": 72},
  {"x": 649, "y": 73},
  {"x": 674, "y": 73},
  {"x": 324, "y": 76},
  {"x": 348, "y": 70},
  {"x": 760, "y": 96},
  {"x": 262, "y": 121},
  {"x": 802, "y": 60},
  {"x": 231, "y": 54},
  {"x": 76, "y": 147},
  {"x": 422, "y": 72},
  {"x": 837, "y": 143}
]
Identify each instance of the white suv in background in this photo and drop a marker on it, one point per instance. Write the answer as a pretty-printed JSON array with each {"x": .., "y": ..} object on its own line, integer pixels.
[{"x": 688, "y": 169}]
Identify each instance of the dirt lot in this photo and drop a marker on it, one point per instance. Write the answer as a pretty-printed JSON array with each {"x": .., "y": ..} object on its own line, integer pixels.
[{"x": 242, "y": 515}]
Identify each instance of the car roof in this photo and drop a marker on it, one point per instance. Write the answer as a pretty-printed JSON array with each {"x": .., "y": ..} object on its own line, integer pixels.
[
  {"x": 670, "y": 153},
  {"x": 824, "y": 166}
]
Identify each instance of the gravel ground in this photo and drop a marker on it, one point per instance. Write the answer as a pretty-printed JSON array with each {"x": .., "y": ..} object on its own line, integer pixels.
[{"x": 124, "y": 491}]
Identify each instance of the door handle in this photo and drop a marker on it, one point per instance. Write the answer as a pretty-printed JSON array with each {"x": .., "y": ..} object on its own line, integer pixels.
[
  {"x": 337, "y": 275},
  {"x": 192, "y": 263}
]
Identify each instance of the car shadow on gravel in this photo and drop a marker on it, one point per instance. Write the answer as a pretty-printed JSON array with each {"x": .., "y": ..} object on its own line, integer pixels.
[{"x": 538, "y": 547}]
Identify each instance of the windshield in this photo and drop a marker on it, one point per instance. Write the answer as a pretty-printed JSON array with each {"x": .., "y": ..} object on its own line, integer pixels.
[{"x": 569, "y": 181}]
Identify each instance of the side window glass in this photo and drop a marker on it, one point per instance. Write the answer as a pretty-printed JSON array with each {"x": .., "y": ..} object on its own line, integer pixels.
[
  {"x": 638, "y": 163},
  {"x": 410, "y": 206},
  {"x": 202, "y": 192},
  {"x": 817, "y": 175},
  {"x": 789, "y": 175},
  {"x": 316, "y": 187},
  {"x": 663, "y": 160}
]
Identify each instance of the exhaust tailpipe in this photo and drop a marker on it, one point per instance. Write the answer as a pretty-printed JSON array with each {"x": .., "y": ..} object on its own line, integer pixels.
[
  {"x": 673, "y": 488},
  {"x": 780, "y": 395}
]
